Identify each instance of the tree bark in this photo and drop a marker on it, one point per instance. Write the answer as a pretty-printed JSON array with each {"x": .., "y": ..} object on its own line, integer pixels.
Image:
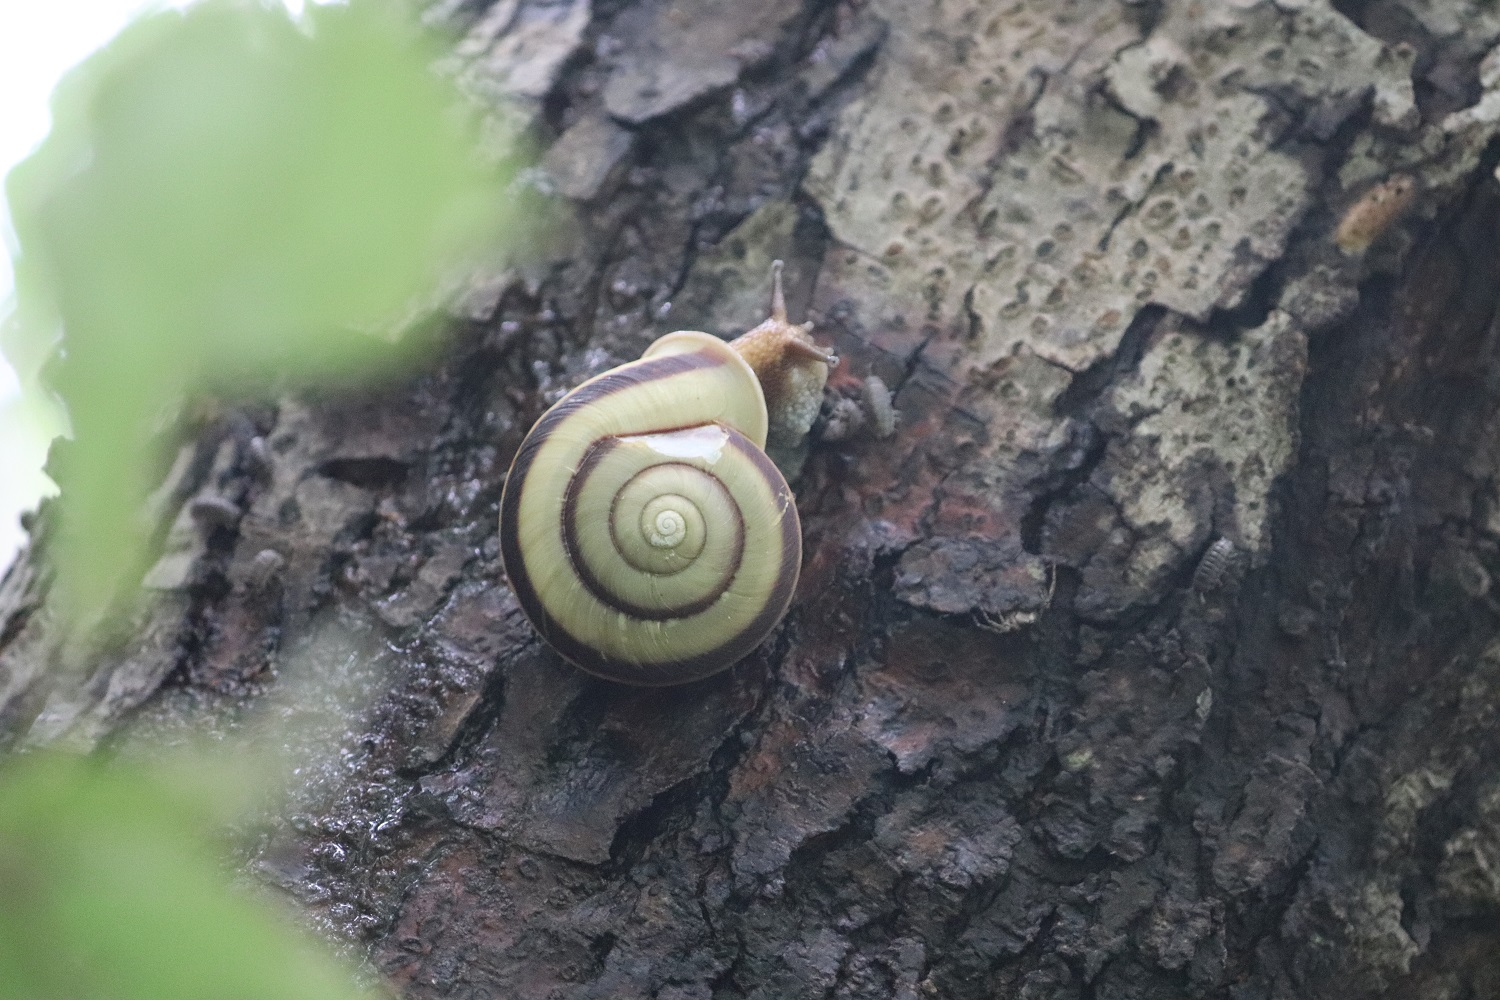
[{"x": 1154, "y": 656}]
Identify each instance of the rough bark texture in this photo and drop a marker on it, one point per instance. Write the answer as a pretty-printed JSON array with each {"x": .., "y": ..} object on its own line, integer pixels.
[{"x": 1013, "y": 739}]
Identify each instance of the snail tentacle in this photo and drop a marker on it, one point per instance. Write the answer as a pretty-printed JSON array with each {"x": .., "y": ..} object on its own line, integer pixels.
[{"x": 791, "y": 367}]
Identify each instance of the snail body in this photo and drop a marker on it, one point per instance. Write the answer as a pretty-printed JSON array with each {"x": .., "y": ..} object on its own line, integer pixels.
[{"x": 644, "y": 530}]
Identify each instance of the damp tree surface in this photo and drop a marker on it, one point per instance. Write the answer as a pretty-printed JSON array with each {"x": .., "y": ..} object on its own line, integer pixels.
[{"x": 1016, "y": 737}]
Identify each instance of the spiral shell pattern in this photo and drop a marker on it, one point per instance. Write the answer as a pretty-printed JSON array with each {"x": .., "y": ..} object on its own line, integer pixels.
[{"x": 645, "y": 533}]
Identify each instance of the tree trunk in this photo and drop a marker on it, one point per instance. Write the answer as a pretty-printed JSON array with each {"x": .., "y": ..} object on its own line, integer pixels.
[{"x": 1154, "y": 656}]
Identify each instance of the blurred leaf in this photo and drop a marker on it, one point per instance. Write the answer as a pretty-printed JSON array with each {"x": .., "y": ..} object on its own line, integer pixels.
[
  {"x": 109, "y": 893},
  {"x": 229, "y": 200}
]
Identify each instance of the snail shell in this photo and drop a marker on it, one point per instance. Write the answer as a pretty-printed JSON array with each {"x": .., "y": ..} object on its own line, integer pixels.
[{"x": 645, "y": 533}]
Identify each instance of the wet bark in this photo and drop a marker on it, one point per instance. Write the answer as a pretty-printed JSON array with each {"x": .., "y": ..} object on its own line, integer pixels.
[{"x": 1155, "y": 655}]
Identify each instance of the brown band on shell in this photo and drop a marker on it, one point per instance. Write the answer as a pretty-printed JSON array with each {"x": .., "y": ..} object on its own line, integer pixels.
[
  {"x": 592, "y": 583},
  {"x": 510, "y": 504},
  {"x": 536, "y": 439},
  {"x": 791, "y": 553}
]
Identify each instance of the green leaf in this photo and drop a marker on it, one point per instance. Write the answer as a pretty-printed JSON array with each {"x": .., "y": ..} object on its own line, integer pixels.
[
  {"x": 109, "y": 892},
  {"x": 230, "y": 202}
]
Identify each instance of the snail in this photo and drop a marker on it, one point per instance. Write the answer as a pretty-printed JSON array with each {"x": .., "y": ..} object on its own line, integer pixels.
[{"x": 646, "y": 534}]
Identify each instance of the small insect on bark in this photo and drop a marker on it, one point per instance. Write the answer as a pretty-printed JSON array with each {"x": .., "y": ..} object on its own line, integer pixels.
[
  {"x": 1213, "y": 566},
  {"x": 1376, "y": 211},
  {"x": 877, "y": 399},
  {"x": 1007, "y": 622}
]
